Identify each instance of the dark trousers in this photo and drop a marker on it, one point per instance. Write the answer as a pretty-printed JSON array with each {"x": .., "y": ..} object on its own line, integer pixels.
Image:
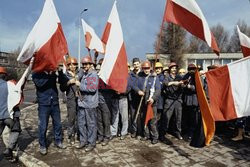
[
  {"x": 72, "y": 115},
  {"x": 15, "y": 129},
  {"x": 43, "y": 118},
  {"x": 87, "y": 125},
  {"x": 135, "y": 127},
  {"x": 150, "y": 131},
  {"x": 191, "y": 119},
  {"x": 173, "y": 107},
  {"x": 103, "y": 122}
]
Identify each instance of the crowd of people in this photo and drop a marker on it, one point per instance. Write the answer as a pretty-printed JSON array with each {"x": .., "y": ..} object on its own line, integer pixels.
[{"x": 96, "y": 114}]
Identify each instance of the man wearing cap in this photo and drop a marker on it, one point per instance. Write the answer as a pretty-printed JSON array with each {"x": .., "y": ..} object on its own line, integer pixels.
[
  {"x": 190, "y": 101},
  {"x": 133, "y": 97},
  {"x": 48, "y": 105},
  {"x": 6, "y": 118},
  {"x": 72, "y": 93},
  {"x": 173, "y": 99},
  {"x": 87, "y": 105},
  {"x": 148, "y": 87}
]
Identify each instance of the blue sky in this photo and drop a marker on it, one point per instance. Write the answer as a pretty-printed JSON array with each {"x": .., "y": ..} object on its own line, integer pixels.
[{"x": 140, "y": 20}]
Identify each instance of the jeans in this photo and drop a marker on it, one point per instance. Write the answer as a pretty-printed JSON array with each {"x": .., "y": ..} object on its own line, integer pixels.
[
  {"x": 43, "y": 118},
  {"x": 87, "y": 125},
  {"x": 123, "y": 110}
]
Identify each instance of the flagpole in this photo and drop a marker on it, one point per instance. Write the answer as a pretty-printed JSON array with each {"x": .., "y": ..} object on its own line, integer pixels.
[{"x": 79, "y": 38}]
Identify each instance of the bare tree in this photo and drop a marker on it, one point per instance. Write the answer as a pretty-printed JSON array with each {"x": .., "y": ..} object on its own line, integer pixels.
[
  {"x": 173, "y": 42},
  {"x": 222, "y": 37}
]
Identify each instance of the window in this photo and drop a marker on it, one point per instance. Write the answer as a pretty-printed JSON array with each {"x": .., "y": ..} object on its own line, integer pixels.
[{"x": 226, "y": 61}]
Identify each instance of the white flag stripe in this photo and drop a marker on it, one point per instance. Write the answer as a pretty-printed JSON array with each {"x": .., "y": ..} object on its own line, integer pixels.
[
  {"x": 193, "y": 7},
  {"x": 244, "y": 40},
  {"x": 113, "y": 46},
  {"x": 46, "y": 25}
]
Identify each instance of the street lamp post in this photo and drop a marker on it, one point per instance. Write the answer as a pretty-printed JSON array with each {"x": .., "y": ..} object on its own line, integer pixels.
[{"x": 79, "y": 39}]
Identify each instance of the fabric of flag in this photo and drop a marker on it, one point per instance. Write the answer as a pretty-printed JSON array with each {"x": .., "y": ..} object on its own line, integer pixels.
[
  {"x": 114, "y": 70},
  {"x": 187, "y": 14},
  {"x": 46, "y": 41},
  {"x": 244, "y": 43},
  {"x": 92, "y": 41},
  {"x": 149, "y": 114},
  {"x": 229, "y": 90},
  {"x": 208, "y": 124}
]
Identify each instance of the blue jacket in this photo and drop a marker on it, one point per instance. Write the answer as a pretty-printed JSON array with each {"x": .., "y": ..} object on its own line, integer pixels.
[
  {"x": 89, "y": 90},
  {"x": 46, "y": 90},
  {"x": 132, "y": 81},
  {"x": 4, "y": 113},
  {"x": 149, "y": 84}
]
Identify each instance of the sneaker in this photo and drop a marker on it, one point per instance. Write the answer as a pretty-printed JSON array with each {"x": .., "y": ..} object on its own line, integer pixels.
[
  {"x": 43, "y": 150},
  {"x": 178, "y": 136},
  {"x": 89, "y": 148},
  {"x": 122, "y": 137},
  {"x": 81, "y": 145},
  {"x": 60, "y": 145},
  {"x": 105, "y": 142},
  {"x": 154, "y": 141}
]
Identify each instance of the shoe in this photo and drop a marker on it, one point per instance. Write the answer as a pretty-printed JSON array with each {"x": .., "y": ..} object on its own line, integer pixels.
[
  {"x": 8, "y": 153},
  {"x": 43, "y": 150},
  {"x": 99, "y": 141},
  {"x": 112, "y": 137},
  {"x": 154, "y": 141},
  {"x": 81, "y": 145},
  {"x": 61, "y": 146},
  {"x": 144, "y": 139},
  {"x": 122, "y": 137},
  {"x": 178, "y": 136},
  {"x": 105, "y": 142},
  {"x": 89, "y": 148},
  {"x": 133, "y": 135}
]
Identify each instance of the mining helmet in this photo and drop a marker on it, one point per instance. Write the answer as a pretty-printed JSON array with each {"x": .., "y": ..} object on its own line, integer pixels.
[
  {"x": 3, "y": 70},
  {"x": 158, "y": 65},
  {"x": 172, "y": 64},
  {"x": 87, "y": 59},
  {"x": 146, "y": 64},
  {"x": 191, "y": 66},
  {"x": 71, "y": 60},
  {"x": 182, "y": 70}
]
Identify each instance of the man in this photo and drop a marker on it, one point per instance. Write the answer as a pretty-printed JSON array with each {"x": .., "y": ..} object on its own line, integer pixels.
[
  {"x": 192, "y": 111},
  {"x": 133, "y": 98},
  {"x": 87, "y": 106},
  {"x": 173, "y": 99},
  {"x": 48, "y": 105},
  {"x": 148, "y": 88},
  {"x": 6, "y": 119},
  {"x": 72, "y": 93}
]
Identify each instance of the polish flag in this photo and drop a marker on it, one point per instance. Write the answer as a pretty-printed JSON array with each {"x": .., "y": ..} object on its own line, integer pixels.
[
  {"x": 92, "y": 41},
  {"x": 229, "y": 90},
  {"x": 244, "y": 43},
  {"x": 46, "y": 41},
  {"x": 149, "y": 114},
  {"x": 114, "y": 70},
  {"x": 187, "y": 14}
]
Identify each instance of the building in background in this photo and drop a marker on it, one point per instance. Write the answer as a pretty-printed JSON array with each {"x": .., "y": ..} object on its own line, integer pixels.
[{"x": 202, "y": 59}]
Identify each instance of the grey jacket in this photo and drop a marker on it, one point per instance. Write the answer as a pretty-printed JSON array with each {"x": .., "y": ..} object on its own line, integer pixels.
[
  {"x": 89, "y": 90},
  {"x": 4, "y": 113}
]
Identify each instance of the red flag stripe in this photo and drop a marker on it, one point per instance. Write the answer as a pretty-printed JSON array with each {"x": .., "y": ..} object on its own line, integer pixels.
[
  {"x": 106, "y": 33},
  {"x": 245, "y": 51}
]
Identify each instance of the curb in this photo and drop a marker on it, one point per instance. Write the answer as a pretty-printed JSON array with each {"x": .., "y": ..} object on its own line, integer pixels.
[{"x": 27, "y": 159}]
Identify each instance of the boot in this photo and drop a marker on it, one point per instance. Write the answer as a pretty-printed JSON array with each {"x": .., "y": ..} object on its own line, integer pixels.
[{"x": 239, "y": 136}]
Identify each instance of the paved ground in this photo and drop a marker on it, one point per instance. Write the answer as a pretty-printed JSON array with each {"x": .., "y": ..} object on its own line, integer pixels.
[{"x": 128, "y": 152}]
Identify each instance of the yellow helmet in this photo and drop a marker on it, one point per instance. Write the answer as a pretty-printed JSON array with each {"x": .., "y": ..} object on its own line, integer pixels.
[
  {"x": 182, "y": 70},
  {"x": 158, "y": 65}
]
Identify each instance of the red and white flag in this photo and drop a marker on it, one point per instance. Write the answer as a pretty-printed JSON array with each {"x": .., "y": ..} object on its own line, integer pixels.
[
  {"x": 46, "y": 41},
  {"x": 244, "y": 43},
  {"x": 229, "y": 90},
  {"x": 114, "y": 70},
  {"x": 187, "y": 14},
  {"x": 92, "y": 41}
]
